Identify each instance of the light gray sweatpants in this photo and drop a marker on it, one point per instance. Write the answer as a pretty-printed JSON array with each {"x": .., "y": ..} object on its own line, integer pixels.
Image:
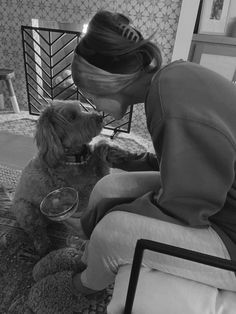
[{"x": 113, "y": 240}]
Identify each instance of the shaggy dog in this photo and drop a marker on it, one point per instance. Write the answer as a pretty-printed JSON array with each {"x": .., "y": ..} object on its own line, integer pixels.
[{"x": 64, "y": 158}]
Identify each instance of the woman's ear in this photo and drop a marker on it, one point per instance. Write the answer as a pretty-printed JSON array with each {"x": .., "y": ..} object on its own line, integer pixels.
[{"x": 47, "y": 137}]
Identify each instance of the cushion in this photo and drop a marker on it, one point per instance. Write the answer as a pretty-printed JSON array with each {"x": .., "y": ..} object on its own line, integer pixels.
[{"x": 161, "y": 293}]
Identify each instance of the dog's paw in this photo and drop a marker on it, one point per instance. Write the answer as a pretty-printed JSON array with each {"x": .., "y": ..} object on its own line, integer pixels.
[
  {"x": 52, "y": 294},
  {"x": 101, "y": 149},
  {"x": 102, "y": 144}
]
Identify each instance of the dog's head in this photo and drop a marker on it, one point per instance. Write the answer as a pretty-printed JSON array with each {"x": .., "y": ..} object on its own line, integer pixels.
[{"x": 63, "y": 127}]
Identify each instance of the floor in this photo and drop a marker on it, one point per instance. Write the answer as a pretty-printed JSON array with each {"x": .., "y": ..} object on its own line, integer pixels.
[{"x": 9, "y": 116}]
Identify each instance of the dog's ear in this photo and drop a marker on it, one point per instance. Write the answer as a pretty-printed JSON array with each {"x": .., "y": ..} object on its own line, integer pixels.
[{"x": 51, "y": 128}]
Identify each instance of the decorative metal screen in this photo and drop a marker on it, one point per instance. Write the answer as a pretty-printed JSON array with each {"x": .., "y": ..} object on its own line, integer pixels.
[{"x": 47, "y": 58}]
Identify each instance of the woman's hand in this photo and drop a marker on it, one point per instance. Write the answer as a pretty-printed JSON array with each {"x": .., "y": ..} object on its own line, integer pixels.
[{"x": 75, "y": 224}]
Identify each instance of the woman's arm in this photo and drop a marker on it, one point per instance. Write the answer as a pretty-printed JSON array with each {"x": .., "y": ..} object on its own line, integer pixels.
[
  {"x": 120, "y": 158},
  {"x": 197, "y": 170}
]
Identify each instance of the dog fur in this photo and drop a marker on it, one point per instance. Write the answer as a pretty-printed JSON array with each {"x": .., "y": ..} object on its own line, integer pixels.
[{"x": 62, "y": 129}]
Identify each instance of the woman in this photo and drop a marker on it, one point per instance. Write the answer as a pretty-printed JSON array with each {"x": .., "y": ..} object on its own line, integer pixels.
[{"x": 191, "y": 116}]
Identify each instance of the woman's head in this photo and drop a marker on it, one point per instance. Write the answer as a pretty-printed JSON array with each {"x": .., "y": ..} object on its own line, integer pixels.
[
  {"x": 111, "y": 58},
  {"x": 113, "y": 45}
]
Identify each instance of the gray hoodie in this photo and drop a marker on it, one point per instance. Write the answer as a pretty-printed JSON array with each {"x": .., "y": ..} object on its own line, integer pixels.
[{"x": 191, "y": 116}]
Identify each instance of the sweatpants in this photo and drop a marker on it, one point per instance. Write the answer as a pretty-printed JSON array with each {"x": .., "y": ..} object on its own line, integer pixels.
[{"x": 113, "y": 239}]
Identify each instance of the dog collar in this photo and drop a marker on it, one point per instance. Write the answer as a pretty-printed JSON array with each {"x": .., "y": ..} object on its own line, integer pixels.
[{"x": 78, "y": 159}]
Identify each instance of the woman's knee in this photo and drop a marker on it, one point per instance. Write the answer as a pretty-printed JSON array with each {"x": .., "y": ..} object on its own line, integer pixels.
[
  {"x": 107, "y": 186},
  {"x": 109, "y": 230},
  {"x": 111, "y": 239},
  {"x": 125, "y": 185},
  {"x": 113, "y": 235}
]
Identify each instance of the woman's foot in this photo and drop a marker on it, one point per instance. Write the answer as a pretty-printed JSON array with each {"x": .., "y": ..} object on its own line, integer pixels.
[
  {"x": 52, "y": 294},
  {"x": 56, "y": 294}
]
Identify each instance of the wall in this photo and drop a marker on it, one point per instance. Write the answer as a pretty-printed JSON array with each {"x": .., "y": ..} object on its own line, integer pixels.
[
  {"x": 183, "y": 38},
  {"x": 147, "y": 15}
]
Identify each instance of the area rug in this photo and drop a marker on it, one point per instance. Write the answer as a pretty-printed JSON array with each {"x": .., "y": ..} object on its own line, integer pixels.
[{"x": 17, "y": 261}]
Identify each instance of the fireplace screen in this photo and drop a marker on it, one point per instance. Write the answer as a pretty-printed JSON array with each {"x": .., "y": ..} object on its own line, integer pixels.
[{"x": 47, "y": 58}]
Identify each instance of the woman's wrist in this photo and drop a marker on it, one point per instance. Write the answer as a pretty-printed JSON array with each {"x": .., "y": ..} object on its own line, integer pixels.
[{"x": 75, "y": 224}]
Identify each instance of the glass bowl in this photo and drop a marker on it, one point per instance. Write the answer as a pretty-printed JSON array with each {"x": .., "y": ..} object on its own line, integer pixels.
[{"x": 60, "y": 204}]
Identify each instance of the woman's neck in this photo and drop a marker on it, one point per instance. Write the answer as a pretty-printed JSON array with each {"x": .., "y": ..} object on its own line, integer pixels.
[{"x": 138, "y": 90}]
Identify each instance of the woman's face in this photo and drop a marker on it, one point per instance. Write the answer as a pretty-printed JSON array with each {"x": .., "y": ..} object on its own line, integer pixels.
[{"x": 109, "y": 104}]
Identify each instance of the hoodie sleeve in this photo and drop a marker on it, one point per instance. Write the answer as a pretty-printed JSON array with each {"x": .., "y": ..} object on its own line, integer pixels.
[
  {"x": 196, "y": 168},
  {"x": 145, "y": 161},
  {"x": 116, "y": 157}
]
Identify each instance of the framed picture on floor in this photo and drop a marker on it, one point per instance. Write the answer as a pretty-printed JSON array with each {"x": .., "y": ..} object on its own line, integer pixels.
[
  {"x": 217, "y": 53},
  {"x": 213, "y": 19}
]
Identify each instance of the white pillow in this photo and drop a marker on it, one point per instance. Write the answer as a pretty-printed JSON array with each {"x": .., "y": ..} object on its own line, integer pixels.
[{"x": 161, "y": 293}]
